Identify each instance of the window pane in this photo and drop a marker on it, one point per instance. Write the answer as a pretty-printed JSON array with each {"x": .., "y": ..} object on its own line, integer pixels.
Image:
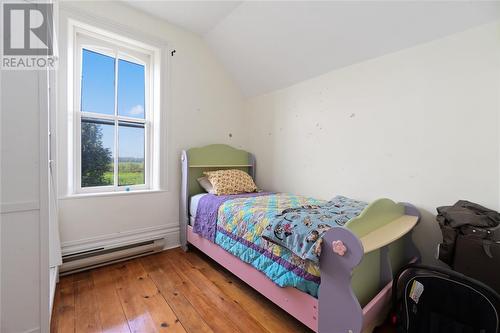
[
  {"x": 98, "y": 83},
  {"x": 130, "y": 89},
  {"x": 131, "y": 154},
  {"x": 97, "y": 152}
]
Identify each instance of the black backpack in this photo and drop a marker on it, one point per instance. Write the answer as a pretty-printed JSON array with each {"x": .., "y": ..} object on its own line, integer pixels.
[{"x": 435, "y": 300}]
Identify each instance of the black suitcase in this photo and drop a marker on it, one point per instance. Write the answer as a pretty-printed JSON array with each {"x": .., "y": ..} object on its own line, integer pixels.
[
  {"x": 471, "y": 241},
  {"x": 478, "y": 258},
  {"x": 434, "y": 300}
]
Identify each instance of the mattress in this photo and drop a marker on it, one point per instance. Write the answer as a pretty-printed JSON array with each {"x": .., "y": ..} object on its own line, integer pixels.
[{"x": 193, "y": 204}]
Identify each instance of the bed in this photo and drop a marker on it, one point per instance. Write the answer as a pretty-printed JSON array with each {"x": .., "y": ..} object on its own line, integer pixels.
[{"x": 347, "y": 290}]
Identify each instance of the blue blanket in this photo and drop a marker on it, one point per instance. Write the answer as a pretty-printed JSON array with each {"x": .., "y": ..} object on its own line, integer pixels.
[{"x": 300, "y": 230}]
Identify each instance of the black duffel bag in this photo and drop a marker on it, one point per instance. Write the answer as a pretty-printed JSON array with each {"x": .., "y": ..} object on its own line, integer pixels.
[{"x": 471, "y": 241}]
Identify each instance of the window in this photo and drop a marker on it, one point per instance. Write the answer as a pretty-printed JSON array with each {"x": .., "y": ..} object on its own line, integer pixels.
[{"x": 113, "y": 114}]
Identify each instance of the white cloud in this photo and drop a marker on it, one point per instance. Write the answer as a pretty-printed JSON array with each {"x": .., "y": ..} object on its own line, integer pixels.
[{"x": 136, "y": 110}]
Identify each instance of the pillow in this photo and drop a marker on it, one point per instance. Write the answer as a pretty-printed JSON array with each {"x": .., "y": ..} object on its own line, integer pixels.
[
  {"x": 205, "y": 184},
  {"x": 230, "y": 182}
]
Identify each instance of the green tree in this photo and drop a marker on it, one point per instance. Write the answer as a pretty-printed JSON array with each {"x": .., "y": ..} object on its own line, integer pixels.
[{"x": 96, "y": 159}]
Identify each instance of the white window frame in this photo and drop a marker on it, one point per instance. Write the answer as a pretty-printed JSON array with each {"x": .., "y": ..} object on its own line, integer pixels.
[{"x": 119, "y": 47}]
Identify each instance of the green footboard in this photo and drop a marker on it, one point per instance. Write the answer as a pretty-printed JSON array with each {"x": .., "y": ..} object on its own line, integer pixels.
[{"x": 379, "y": 265}]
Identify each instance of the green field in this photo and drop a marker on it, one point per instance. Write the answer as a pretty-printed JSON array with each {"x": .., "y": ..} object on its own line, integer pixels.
[
  {"x": 125, "y": 178},
  {"x": 129, "y": 173}
]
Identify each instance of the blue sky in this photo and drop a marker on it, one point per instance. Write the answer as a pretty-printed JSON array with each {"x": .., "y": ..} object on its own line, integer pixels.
[
  {"x": 131, "y": 143},
  {"x": 98, "y": 96}
]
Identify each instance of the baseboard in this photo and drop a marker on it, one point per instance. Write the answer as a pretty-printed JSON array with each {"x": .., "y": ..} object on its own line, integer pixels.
[{"x": 169, "y": 232}]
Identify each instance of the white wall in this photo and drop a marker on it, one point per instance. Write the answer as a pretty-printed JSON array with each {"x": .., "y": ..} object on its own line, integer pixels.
[
  {"x": 420, "y": 125},
  {"x": 203, "y": 106}
]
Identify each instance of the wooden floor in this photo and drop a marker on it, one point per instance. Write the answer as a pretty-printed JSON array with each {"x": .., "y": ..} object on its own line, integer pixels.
[{"x": 168, "y": 292}]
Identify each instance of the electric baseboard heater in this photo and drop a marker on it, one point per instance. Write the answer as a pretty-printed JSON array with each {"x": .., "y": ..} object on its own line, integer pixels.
[{"x": 81, "y": 261}]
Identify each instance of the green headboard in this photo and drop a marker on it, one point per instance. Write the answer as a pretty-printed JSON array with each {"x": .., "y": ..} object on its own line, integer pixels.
[
  {"x": 195, "y": 161},
  {"x": 215, "y": 157}
]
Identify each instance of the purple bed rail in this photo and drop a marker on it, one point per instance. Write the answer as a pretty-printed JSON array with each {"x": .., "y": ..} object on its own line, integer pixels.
[{"x": 339, "y": 309}]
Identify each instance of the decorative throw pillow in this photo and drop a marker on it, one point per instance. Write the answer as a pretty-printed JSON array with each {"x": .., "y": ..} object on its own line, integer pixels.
[
  {"x": 205, "y": 184},
  {"x": 230, "y": 182}
]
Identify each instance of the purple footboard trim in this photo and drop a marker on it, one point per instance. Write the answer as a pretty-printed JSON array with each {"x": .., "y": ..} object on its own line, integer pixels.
[{"x": 340, "y": 311}]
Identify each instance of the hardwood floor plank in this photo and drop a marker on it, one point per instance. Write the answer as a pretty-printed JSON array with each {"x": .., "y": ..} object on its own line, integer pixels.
[
  {"x": 163, "y": 316},
  {"x": 138, "y": 316},
  {"x": 224, "y": 304},
  {"x": 66, "y": 281},
  {"x": 86, "y": 311},
  {"x": 64, "y": 309},
  {"x": 195, "y": 296},
  {"x": 256, "y": 305},
  {"x": 187, "y": 314},
  {"x": 111, "y": 313}
]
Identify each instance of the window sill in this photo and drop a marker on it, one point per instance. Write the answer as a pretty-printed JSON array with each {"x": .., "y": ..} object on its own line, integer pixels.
[{"x": 109, "y": 194}]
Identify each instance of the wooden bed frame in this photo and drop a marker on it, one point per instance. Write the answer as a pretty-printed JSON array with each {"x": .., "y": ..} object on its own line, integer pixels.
[{"x": 377, "y": 243}]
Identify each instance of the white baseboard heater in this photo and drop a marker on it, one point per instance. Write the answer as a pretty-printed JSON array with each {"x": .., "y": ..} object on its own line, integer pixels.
[{"x": 84, "y": 260}]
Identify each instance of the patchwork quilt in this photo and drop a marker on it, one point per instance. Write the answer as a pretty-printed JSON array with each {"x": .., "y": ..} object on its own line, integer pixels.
[
  {"x": 205, "y": 222},
  {"x": 240, "y": 225}
]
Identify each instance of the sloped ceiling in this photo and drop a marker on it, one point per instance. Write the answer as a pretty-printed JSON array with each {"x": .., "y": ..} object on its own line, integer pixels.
[
  {"x": 269, "y": 45},
  {"x": 196, "y": 16}
]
